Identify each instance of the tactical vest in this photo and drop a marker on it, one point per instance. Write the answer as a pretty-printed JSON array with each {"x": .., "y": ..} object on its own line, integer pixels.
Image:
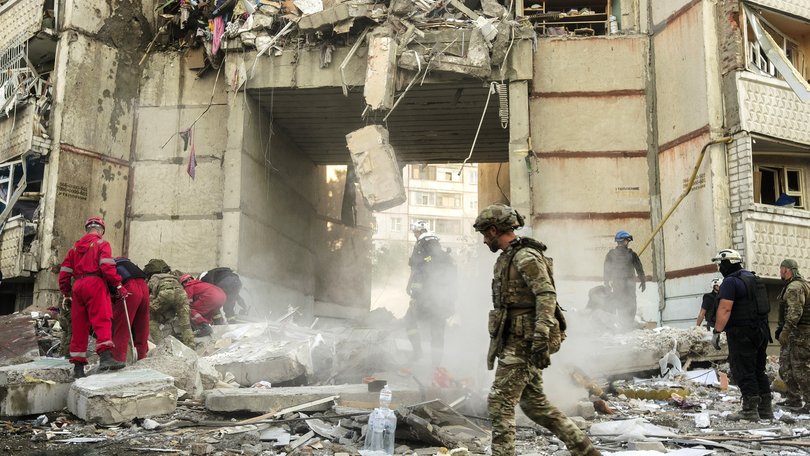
[
  {"x": 744, "y": 311},
  {"x": 805, "y": 319},
  {"x": 514, "y": 294},
  {"x": 128, "y": 270}
]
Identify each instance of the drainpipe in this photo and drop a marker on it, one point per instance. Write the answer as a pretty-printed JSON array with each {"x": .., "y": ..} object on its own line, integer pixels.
[{"x": 724, "y": 140}]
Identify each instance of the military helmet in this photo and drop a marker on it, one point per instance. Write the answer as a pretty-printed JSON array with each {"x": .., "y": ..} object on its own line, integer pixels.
[
  {"x": 500, "y": 216},
  {"x": 622, "y": 235},
  {"x": 730, "y": 255},
  {"x": 156, "y": 266}
]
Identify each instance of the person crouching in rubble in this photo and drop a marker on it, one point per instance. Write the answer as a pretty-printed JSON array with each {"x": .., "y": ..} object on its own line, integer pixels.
[
  {"x": 231, "y": 284},
  {"x": 525, "y": 328},
  {"x": 90, "y": 263},
  {"x": 137, "y": 308},
  {"x": 748, "y": 336},
  {"x": 206, "y": 302},
  {"x": 793, "y": 333},
  {"x": 168, "y": 303}
]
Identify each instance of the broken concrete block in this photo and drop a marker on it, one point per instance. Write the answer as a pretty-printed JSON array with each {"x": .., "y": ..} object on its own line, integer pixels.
[
  {"x": 331, "y": 16},
  {"x": 476, "y": 62},
  {"x": 18, "y": 339},
  {"x": 586, "y": 410},
  {"x": 176, "y": 360},
  {"x": 646, "y": 446},
  {"x": 263, "y": 400},
  {"x": 376, "y": 167},
  {"x": 381, "y": 71},
  {"x": 40, "y": 386},
  {"x": 121, "y": 396},
  {"x": 208, "y": 374},
  {"x": 253, "y": 360}
]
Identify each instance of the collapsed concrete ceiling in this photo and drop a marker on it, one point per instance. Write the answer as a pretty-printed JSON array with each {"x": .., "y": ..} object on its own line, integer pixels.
[{"x": 434, "y": 123}]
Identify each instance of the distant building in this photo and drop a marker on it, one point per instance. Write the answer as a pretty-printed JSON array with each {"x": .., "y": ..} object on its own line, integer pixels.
[{"x": 439, "y": 195}]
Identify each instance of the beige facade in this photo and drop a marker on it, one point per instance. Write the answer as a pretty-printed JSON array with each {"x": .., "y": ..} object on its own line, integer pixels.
[{"x": 603, "y": 135}]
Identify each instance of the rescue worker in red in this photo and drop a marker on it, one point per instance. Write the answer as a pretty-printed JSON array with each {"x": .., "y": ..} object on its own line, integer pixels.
[
  {"x": 137, "y": 308},
  {"x": 206, "y": 300},
  {"x": 92, "y": 267}
]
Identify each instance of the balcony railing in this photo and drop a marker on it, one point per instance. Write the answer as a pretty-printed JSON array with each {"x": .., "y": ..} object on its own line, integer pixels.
[
  {"x": 21, "y": 18},
  {"x": 17, "y": 258},
  {"x": 769, "y": 107}
]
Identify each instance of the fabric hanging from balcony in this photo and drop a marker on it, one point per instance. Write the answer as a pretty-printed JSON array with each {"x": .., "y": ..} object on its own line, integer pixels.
[{"x": 778, "y": 58}]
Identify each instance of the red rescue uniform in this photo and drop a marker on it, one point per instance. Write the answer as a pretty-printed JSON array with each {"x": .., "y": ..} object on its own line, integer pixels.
[
  {"x": 206, "y": 300},
  {"x": 91, "y": 264},
  {"x": 138, "y": 309}
]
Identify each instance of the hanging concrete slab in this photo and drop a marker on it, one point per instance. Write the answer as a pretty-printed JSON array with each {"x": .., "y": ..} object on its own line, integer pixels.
[
  {"x": 381, "y": 71},
  {"x": 40, "y": 386},
  {"x": 376, "y": 167},
  {"x": 121, "y": 396}
]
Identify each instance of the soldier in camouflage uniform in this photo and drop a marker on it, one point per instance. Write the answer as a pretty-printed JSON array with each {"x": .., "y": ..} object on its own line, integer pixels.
[
  {"x": 525, "y": 327},
  {"x": 793, "y": 333},
  {"x": 168, "y": 303},
  {"x": 65, "y": 324}
]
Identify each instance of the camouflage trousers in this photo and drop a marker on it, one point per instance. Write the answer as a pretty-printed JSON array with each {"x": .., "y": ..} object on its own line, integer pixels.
[
  {"x": 799, "y": 347},
  {"x": 65, "y": 323},
  {"x": 786, "y": 374},
  {"x": 522, "y": 383}
]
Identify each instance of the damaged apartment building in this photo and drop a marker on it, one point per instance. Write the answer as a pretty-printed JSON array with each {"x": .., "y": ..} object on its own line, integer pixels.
[{"x": 202, "y": 132}]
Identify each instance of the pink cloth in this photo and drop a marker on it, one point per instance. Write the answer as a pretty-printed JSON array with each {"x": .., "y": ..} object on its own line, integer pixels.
[{"x": 219, "y": 30}]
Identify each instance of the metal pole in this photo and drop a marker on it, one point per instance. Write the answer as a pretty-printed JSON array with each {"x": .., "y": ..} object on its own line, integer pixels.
[{"x": 129, "y": 328}]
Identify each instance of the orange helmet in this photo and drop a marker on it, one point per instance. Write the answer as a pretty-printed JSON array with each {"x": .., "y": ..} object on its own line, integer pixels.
[
  {"x": 95, "y": 221},
  {"x": 185, "y": 278}
]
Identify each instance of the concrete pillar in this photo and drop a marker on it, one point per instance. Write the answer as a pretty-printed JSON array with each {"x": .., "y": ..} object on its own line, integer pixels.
[{"x": 519, "y": 149}]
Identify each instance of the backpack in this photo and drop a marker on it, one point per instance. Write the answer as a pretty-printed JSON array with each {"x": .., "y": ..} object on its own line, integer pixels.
[
  {"x": 128, "y": 270},
  {"x": 757, "y": 293},
  {"x": 215, "y": 276}
]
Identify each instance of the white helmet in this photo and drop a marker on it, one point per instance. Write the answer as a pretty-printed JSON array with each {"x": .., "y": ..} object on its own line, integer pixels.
[
  {"x": 730, "y": 255},
  {"x": 716, "y": 282},
  {"x": 419, "y": 225}
]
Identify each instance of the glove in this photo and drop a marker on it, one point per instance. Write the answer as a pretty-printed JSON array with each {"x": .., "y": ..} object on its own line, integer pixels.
[
  {"x": 783, "y": 337},
  {"x": 642, "y": 286},
  {"x": 540, "y": 356},
  {"x": 120, "y": 293},
  {"x": 716, "y": 340},
  {"x": 777, "y": 332}
]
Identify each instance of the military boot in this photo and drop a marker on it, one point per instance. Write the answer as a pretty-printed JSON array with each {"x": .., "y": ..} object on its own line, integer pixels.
[
  {"x": 584, "y": 448},
  {"x": 78, "y": 370},
  {"x": 108, "y": 362},
  {"x": 749, "y": 412},
  {"x": 765, "y": 408},
  {"x": 791, "y": 402}
]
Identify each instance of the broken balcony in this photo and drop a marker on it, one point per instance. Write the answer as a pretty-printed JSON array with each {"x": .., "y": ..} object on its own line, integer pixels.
[{"x": 774, "y": 96}]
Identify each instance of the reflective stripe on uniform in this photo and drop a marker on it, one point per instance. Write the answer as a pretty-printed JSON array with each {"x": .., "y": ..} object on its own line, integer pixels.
[
  {"x": 106, "y": 260},
  {"x": 109, "y": 342},
  {"x": 66, "y": 269},
  {"x": 78, "y": 354}
]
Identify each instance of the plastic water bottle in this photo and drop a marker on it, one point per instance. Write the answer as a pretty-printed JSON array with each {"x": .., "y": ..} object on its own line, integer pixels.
[{"x": 382, "y": 425}]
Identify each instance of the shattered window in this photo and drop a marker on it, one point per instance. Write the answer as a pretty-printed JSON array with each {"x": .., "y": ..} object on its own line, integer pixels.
[
  {"x": 788, "y": 34},
  {"x": 779, "y": 186}
]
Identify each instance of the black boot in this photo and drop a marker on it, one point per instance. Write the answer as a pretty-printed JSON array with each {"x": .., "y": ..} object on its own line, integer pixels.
[
  {"x": 765, "y": 408},
  {"x": 203, "y": 330},
  {"x": 791, "y": 402},
  {"x": 749, "y": 412},
  {"x": 108, "y": 362},
  {"x": 78, "y": 370}
]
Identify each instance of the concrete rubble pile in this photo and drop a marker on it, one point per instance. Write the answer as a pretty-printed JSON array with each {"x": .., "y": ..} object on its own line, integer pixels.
[{"x": 272, "y": 387}]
